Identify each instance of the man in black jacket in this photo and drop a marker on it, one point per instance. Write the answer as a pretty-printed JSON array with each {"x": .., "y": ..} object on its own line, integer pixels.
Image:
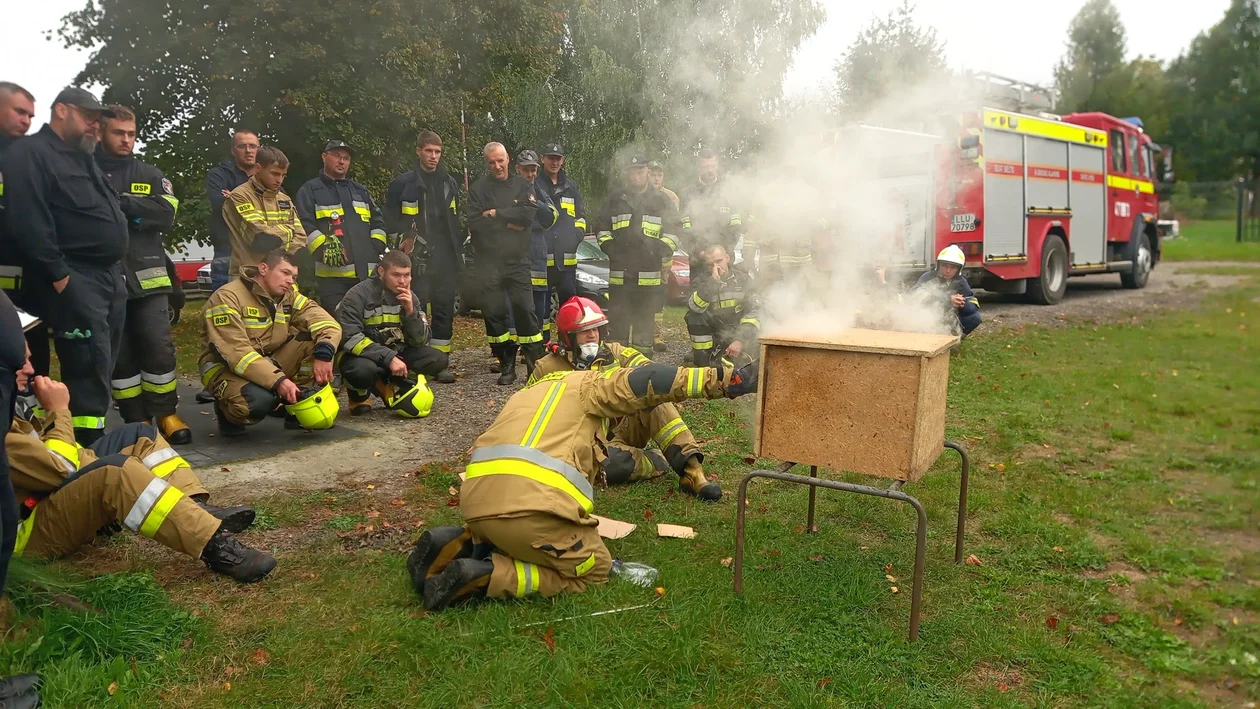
[
  {"x": 220, "y": 181},
  {"x": 501, "y": 208},
  {"x": 70, "y": 235},
  {"x": 345, "y": 232},
  {"x": 144, "y": 379},
  {"x": 422, "y": 219},
  {"x": 564, "y": 236}
]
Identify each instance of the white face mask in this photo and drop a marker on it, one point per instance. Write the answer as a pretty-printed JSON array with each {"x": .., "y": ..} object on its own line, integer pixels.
[{"x": 588, "y": 350}]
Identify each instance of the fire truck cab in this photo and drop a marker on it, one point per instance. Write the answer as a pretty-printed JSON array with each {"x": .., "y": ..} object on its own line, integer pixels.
[{"x": 1034, "y": 200}]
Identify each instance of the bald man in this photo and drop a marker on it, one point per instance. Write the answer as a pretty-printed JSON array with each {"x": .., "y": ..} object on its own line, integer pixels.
[{"x": 501, "y": 208}]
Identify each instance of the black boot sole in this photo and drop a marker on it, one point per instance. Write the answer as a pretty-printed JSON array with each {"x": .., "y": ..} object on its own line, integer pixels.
[
  {"x": 181, "y": 437},
  {"x": 235, "y": 519},
  {"x": 428, "y": 547},
  {"x": 440, "y": 590}
]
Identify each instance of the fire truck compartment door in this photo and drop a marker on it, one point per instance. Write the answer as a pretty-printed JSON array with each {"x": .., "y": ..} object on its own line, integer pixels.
[
  {"x": 912, "y": 234},
  {"x": 1004, "y": 205},
  {"x": 1087, "y": 193}
]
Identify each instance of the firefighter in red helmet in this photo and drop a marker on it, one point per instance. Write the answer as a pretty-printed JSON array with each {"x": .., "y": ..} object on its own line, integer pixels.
[{"x": 582, "y": 343}]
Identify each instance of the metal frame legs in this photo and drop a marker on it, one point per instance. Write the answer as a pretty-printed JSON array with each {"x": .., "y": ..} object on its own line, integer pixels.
[{"x": 893, "y": 493}]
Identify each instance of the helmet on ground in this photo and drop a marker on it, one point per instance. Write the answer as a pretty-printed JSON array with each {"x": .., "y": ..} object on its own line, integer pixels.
[
  {"x": 579, "y": 314},
  {"x": 315, "y": 408},
  {"x": 414, "y": 400},
  {"x": 951, "y": 254}
]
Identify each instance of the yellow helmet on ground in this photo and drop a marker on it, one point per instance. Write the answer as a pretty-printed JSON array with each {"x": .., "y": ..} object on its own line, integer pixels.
[
  {"x": 415, "y": 402},
  {"x": 316, "y": 409},
  {"x": 952, "y": 254}
]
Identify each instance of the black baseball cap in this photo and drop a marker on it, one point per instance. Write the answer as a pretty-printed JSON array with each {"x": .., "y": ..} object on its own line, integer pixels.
[
  {"x": 84, "y": 99},
  {"x": 334, "y": 144},
  {"x": 656, "y": 166},
  {"x": 553, "y": 149},
  {"x": 637, "y": 160},
  {"x": 527, "y": 157}
]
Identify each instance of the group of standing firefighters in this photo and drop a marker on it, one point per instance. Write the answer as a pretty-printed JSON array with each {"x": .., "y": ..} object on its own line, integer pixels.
[{"x": 81, "y": 250}]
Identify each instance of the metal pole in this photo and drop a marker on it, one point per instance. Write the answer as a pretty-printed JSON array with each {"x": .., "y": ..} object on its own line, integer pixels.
[
  {"x": 920, "y": 545},
  {"x": 1242, "y": 192},
  {"x": 962, "y": 499},
  {"x": 809, "y": 522}
]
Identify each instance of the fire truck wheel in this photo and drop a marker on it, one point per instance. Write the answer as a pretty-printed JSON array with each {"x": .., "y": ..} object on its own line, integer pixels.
[
  {"x": 1048, "y": 287},
  {"x": 1143, "y": 260}
]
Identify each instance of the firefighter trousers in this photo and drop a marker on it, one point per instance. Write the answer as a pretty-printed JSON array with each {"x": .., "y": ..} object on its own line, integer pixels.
[
  {"x": 563, "y": 283},
  {"x": 542, "y": 310},
  {"x": 332, "y": 290},
  {"x": 144, "y": 378},
  {"x": 360, "y": 373},
  {"x": 511, "y": 278},
  {"x": 145, "y": 442},
  {"x": 121, "y": 489},
  {"x": 542, "y": 553},
  {"x": 632, "y": 313},
  {"x": 662, "y": 425},
  {"x": 437, "y": 288},
  {"x": 710, "y": 336},
  {"x": 87, "y": 319},
  {"x": 246, "y": 403}
]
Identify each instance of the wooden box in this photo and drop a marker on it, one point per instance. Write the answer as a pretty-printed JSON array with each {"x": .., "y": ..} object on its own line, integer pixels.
[{"x": 865, "y": 401}]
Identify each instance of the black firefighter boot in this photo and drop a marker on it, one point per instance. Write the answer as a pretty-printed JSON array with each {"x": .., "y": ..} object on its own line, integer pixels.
[
  {"x": 507, "y": 363},
  {"x": 691, "y": 478},
  {"x": 225, "y": 554},
  {"x": 235, "y": 519},
  {"x": 227, "y": 428},
  {"x": 462, "y": 579},
  {"x": 435, "y": 550}
]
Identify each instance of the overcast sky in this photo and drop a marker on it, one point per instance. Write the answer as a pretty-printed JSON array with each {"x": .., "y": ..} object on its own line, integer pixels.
[{"x": 994, "y": 37}]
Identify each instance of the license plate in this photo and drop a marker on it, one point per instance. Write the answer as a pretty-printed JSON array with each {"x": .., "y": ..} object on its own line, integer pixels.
[{"x": 962, "y": 222}]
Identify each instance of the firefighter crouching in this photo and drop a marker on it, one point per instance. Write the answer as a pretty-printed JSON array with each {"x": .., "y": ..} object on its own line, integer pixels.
[
  {"x": 144, "y": 378},
  {"x": 946, "y": 285},
  {"x": 260, "y": 216},
  {"x": 581, "y": 332},
  {"x": 529, "y": 488},
  {"x": 345, "y": 232},
  {"x": 261, "y": 344},
  {"x": 722, "y": 312},
  {"x": 130, "y": 478},
  {"x": 385, "y": 339}
]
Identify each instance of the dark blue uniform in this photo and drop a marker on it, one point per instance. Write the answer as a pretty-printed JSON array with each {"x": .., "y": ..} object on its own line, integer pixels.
[
  {"x": 969, "y": 314},
  {"x": 327, "y": 206},
  {"x": 563, "y": 237},
  {"x": 224, "y": 176}
]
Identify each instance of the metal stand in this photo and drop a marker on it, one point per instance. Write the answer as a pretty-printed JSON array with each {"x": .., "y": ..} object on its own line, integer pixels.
[{"x": 893, "y": 492}]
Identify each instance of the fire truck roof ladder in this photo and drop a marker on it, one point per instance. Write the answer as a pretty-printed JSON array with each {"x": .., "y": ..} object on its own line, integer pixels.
[{"x": 1013, "y": 95}]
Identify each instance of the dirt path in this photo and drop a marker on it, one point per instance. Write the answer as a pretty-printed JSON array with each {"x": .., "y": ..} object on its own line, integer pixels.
[{"x": 461, "y": 411}]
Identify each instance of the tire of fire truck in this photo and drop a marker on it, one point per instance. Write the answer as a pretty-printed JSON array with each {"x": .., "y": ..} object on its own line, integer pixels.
[
  {"x": 1051, "y": 282},
  {"x": 1143, "y": 261}
]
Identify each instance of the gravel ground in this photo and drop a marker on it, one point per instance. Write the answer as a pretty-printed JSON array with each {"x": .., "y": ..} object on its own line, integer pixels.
[{"x": 463, "y": 410}]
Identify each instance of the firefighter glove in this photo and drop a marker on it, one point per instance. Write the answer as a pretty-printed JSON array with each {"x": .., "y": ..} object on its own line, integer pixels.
[
  {"x": 334, "y": 253},
  {"x": 743, "y": 381}
]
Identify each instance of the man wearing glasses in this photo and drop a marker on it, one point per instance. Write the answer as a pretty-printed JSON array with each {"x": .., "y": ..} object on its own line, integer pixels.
[
  {"x": 64, "y": 222},
  {"x": 220, "y": 181}
]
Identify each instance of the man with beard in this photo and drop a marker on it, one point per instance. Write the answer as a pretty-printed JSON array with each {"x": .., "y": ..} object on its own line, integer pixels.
[{"x": 70, "y": 236}]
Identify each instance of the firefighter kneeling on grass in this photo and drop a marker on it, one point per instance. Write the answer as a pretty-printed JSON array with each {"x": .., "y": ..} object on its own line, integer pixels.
[
  {"x": 129, "y": 477},
  {"x": 582, "y": 332},
  {"x": 529, "y": 491},
  {"x": 258, "y": 340},
  {"x": 722, "y": 312},
  {"x": 385, "y": 338}
]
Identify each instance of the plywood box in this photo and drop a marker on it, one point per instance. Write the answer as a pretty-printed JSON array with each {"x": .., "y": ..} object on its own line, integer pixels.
[{"x": 865, "y": 401}]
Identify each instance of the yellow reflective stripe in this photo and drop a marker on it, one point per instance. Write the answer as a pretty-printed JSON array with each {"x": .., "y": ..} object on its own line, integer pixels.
[
  {"x": 534, "y": 432},
  {"x": 579, "y": 223},
  {"x": 410, "y": 208},
  {"x": 1125, "y": 183},
  {"x": 695, "y": 382},
  {"x": 724, "y": 304},
  {"x": 222, "y": 310},
  {"x": 496, "y": 339},
  {"x": 537, "y": 473},
  {"x": 750, "y": 321},
  {"x": 385, "y": 319},
  {"x": 604, "y": 236},
  {"x": 526, "y": 578},
  {"x": 300, "y": 301},
  {"x": 323, "y": 270},
  {"x": 92, "y": 422},
  {"x": 379, "y": 235},
  {"x": 526, "y": 339},
  {"x": 68, "y": 451},
  {"x": 167, "y": 467},
  {"x": 361, "y": 345},
  {"x": 160, "y": 510},
  {"x": 247, "y": 360},
  {"x": 208, "y": 375},
  {"x": 316, "y": 242},
  {"x": 701, "y": 344},
  {"x": 584, "y": 567},
  {"x": 700, "y": 302},
  {"x": 24, "y": 532},
  {"x": 172, "y": 201},
  {"x": 669, "y": 432},
  {"x": 323, "y": 325},
  {"x": 1058, "y": 130}
]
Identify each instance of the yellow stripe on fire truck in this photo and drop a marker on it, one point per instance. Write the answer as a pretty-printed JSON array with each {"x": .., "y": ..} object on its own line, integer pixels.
[{"x": 1002, "y": 120}]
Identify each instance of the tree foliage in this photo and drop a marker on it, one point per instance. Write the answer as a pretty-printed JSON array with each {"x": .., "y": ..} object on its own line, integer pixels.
[
  {"x": 890, "y": 54},
  {"x": 1093, "y": 70}
]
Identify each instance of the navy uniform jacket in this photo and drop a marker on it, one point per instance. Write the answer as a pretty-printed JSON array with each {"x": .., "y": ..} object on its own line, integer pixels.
[
  {"x": 362, "y": 225},
  {"x": 148, "y": 201},
  {"x": 570, "y": 228},
  {"x": 969, "y": 314}
]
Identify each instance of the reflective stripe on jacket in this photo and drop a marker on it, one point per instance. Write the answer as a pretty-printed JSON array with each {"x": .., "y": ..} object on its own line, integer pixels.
[
  {"x": 260, "y": 221},
  {"x": 362, "y": 225}
]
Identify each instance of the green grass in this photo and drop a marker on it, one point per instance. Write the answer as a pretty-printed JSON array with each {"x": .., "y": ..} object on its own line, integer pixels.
[
  {"x": 1210, "y": 241},
  {"x": 1113, "y": 506}
]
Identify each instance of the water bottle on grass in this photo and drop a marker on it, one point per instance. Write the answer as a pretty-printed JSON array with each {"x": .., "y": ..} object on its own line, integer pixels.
[{"x": 638, "y": 574}]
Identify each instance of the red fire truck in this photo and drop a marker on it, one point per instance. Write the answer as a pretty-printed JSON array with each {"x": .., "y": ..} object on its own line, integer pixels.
[{"x": 1035, "y": 200}]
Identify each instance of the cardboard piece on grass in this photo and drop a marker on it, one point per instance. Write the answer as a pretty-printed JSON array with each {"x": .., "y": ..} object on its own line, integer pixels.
[
  {"x": 463, "y": 477},
  {"x": 675, "y": 531},
  {"x": 613, "y": 529}
]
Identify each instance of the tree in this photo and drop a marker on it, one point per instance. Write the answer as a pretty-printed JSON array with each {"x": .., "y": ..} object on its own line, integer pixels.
[
  {"x": 372, "y": 73},
  {"x": 890, "y": 55},
  {"x": 1093, "y": 68}
]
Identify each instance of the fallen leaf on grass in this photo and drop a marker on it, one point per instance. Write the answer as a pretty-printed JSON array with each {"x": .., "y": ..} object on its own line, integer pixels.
[
  {"x": 973, "y": 560},
  {"x": 113, "y": 687},
  {"x": 1109, "y": 619},
  {"x": 453, "y": 502},
  {"x": 1004, "y": 687},
  {"x": 1052, "y": 623},
  {"x": 660, "y": 591},
  {"x": 891, "y": 578},
  {"x": 816, "y": 557},
  {"x": 371, "y": 487},
  {"x": 550, "y": 640},
  {"x": 373, "y": 514},
  {"x": 727, "y": 561},
  {"x": 231, "y": 671},
  {"x": 894, "y": 589},
  {"x": 1178, "y": 621},
  {"x": 1001, "y": 467},
  {"x": 376, "y": 454},
  {"x": 225, "y": 469},
  {"x": 749, "y": 459},
  {"x": 227, "y": 686},
  {"x": 814, "y": 529},
  {"x": 647, "y": 514},
  {"x": 452, "y": 490},
  {"x": 799, "y": 528},
  {"x": 397, "y": 502},
  {"x": 1059, "y": 549},
  {"x": 260, "y": 657},
  {"x": 888, "y": 569},
  {"x": 824, "y": 682}
]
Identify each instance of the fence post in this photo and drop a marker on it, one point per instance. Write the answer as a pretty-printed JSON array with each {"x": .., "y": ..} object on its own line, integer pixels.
[{"x": 1242, "y": 208}]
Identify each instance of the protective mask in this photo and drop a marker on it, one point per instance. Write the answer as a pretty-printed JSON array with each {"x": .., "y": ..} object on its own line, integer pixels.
[{"x": 587, "y": 352}]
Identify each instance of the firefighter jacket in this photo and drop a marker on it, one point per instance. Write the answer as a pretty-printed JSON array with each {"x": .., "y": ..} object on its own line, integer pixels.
[
  {"x": 709, "y": 217},
  {"x": 545, "y": 218},
  {"x": 327, "y": 206},
  {"x": 731, "y": 301},
  {"x": 260, "y": 221},
  {"x": 148, "y": 201},
  {"x": 224, "y": 176},
  {"x": 515, "y": 204},
  {"x": 244, "y": 325},
  {"x": 424, "y": 206},
  {"x": 42, "y": 453},
  {"x": 373, "y": 324},
  {"x": 59, "y": 209},
  {"x": 639, "y": 232},
  {"x": 611, "y": 355},
  {"x": 544, "y": 451},
  {"x": 570, "y": 228},
  {"x": 932, "y": 283}
]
